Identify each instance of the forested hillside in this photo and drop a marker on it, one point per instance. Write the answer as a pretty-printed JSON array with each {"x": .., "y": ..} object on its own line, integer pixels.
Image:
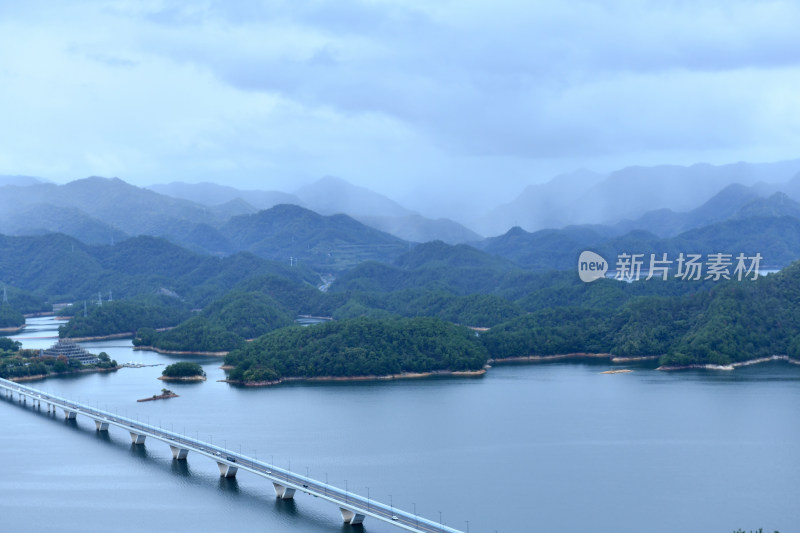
[{"x": 360, "y": 347}]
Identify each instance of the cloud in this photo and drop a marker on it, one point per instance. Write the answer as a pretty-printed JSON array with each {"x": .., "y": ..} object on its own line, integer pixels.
[
  {"x": 394, "y": 88},
  {"x": 526, "y": 81}
]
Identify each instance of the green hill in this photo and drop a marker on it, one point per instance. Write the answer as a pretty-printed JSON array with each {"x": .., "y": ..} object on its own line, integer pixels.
[
  {"x": 289, "y": 232},
  {"x": 363, "y": 347},
  {"x": 460, "y": 269},
  {"x": 777, "y": 238},
  {"x": 57, "y": 268},
  {"x": 722, "y": 324}
]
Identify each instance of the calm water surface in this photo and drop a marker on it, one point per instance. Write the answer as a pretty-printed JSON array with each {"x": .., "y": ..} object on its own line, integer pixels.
[{"x": 556, "y": 447}]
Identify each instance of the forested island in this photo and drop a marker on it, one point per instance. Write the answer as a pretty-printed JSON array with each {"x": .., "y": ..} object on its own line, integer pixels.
[
  {"x": 358, "y": 348},
  {"x": 183, "y": 371}
]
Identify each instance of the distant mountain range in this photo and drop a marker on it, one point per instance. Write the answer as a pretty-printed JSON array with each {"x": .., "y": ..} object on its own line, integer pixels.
[
  {"x": 331, "y": 225},
  {"x": 734, "y": 221},
  {"x": 588, "y": 198},
  {"x": 212, "y": 194}
]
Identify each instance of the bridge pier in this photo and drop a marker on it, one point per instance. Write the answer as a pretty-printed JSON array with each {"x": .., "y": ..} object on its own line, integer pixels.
[
  {"x": 226, "y": 470},
  {"x": 70, "y": 415},
  {"x": 178, "y": 453},
  {"x": 137, "y": 438},
  {"x": 283, "y": 493},
  {"x": 101, "y": 425},
  {"x": 351, "y": 517}
]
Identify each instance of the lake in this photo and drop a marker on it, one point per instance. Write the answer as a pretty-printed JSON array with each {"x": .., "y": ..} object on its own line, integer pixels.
[{"x": 554, "y": 447}]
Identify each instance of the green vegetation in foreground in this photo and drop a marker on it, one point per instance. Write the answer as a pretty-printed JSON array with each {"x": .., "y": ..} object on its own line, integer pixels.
[
  {"x": 17, "y": 363},
  {"x": 183, "y": 369},
  {"x": 358, "y": 347},
  {"x": 123, "y": 316}
]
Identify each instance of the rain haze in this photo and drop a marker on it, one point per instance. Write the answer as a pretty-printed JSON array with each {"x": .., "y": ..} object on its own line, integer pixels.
[{"x": 443, "y": 106}]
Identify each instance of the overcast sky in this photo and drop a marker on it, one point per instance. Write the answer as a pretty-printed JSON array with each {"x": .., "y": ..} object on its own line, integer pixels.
[{"x": 404, "y": 97}]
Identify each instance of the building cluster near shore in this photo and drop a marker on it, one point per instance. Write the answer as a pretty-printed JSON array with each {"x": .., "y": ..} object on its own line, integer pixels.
[{"x": 71, "y": 351}]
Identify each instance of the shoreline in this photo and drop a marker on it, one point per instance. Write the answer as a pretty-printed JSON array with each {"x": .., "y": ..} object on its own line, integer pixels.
[
  {"x": 388, "y": 377},
  {"x": 101, "y": 337},
  {"x": 54, "y": 374},
  {"x": 12, "y": 329},
  {"x": 179, "y": 352},
  {"x": 40, "y": 313},
  {"x": 577, "y": 355},
  {"x": 182, "y": 378},
  {"x": 732, "y": 366},
  {"x": 622, "y": 360}
]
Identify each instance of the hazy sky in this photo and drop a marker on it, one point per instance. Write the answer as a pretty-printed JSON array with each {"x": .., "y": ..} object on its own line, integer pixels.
[{"x": 405, "y": 97}]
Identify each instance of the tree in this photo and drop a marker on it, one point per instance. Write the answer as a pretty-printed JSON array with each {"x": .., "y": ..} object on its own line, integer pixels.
[{"x": 183, "y": 369}]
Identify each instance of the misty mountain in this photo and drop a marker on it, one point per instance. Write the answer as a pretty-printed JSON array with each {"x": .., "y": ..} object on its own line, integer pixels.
[
  {"x": 39, "y": 219},
  {"x": 327, "y": 196},
  {"x": 330, "y": 196},
  {"x": 327, "y": 242},
  {"x": 776, "y": 238},
  {"x": 212, "y": 194},
  {"x": 777, "y": 205},
  {"x": 544, "y": 205},
  {"x": 629, "y": 193},
  {"x": 549, "y": 248},
  {"x": 19, "y": 181},
  {"x": 416, "y": 228},
  {"x": 668, "y": 223},
  {"x": 127, "y": 208},
  {"x": 791, "y": 188}
]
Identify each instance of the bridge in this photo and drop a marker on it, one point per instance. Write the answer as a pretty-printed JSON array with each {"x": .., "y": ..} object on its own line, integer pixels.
[{"x": 353, "y": 507}]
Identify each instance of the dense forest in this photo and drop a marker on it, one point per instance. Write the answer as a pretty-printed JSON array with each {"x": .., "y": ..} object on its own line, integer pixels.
[
  {"x": 123, "y": 316},
  {"x": 174, "y": 299},
  {"x": 358, "y": 347},
  {"x": 10, "y": 317},
  {"x": 731, "y": 322},
  {"x": 183, "y": 369}
]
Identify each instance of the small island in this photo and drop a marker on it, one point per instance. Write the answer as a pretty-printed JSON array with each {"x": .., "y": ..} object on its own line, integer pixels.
[
  {"x": 64, "y": 357},
  {"x": 165, "y": 393},
  {"x": 183, "y": 371}
]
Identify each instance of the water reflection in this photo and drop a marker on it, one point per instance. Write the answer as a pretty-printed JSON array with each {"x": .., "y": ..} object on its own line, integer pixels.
[
  {"x": 181, "y": 468},
  {"x": 229, "y": 485},
  {"x": 139, "y": 451}
]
